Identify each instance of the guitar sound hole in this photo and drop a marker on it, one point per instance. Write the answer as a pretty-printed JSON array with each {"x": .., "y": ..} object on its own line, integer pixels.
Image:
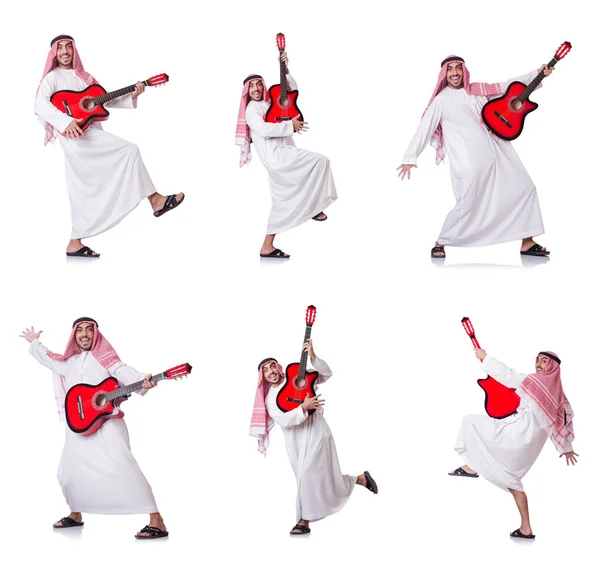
[
  {"x": 284, "y": 102},
  {"x": 88, "y": 104},
  {"x": 300, "y": 383},
  {"x": 100, "y": 400},
  {"x": 516, "y": 104}
]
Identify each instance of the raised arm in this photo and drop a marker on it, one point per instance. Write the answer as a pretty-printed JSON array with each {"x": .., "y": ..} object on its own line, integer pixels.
[
  {"x": 44, "y": 109},
  {"x": 263, "y": 129},
  {"x": 421, "y": 138},
  {"x": 40, "y": 352},
  {"x": 507, "y": 376},
  {"x": 322, "y": 368}
]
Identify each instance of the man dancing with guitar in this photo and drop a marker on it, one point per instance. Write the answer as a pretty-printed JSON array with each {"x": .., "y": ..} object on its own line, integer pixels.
[
  {"x": 301, "y": 182},
  {"x": 503, "y": 450},
  {"x": 97, "y": 472},
  {"x": 106, "y": 177},
  {"x": 322, "y": 488},
  {"x": 496, "y": 201}
]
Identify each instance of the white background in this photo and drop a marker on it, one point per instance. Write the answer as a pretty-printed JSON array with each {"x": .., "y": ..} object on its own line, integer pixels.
[{"x": 190, "y": 287}]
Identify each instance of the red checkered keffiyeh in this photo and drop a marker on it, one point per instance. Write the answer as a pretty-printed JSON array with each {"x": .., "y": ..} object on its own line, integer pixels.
[
  {"x": 474, "y": 89},
  {"x": 101, "y": 350},
  {"x": 261, "y": 422},
  {"x": 545, "y": 391},
  {"x": 242, "y": 131},
  {"x": 51, "y": 64}
]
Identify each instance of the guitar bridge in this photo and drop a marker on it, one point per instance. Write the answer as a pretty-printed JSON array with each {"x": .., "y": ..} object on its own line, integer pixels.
[
  {"x": 80, "y": 408},
  {"x": 67, "y": 109},
  {"x": 283, "y": 118},
  {"x": 503, "y": 119},
  {"x": 294, "y": 400}
]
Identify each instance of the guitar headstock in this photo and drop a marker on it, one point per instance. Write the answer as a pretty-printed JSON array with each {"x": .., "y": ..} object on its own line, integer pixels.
[
  {"x": 281, "y": 42},
  {"x": 468, "y": 326},
  {"x": 158, "y": 80},
  {"x": 311, "y": 314},
  {"x": 179, "y": 371},
  {"x": 562, "y": 51}
]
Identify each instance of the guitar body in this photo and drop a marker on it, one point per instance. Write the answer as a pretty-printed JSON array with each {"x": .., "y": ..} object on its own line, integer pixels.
[
  {"x": 500, "y": 401},
  {"x": 76, "y": 104},
  {"x": 505, "y": 116},
  {"x": 279, "y": 112},
  {"x": 291, "y": 395},
  {"x": 86, "y": 411}
]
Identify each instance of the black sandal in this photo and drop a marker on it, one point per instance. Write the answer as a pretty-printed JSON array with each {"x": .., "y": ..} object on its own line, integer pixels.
[
  {"x": 536, "y": 250},
  {"x": 85, "y": 252},
  {"x": 153, "y": 533},
  {"x": 275, "y": 254},
  {"x": 170, "y": 204},
  {"x": 438, "y": 250},
  {"x": 67, "y": 522},
  {"x": 316, "y": 217},
  {"x": 516, "y": 534},
  {"x": 462, "y": 472},
  {"x": 371, "y": 484},
  {"x": 303, "y": 530}
]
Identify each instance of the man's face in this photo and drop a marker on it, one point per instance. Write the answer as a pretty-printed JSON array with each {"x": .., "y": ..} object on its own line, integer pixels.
[
  {"x": 256, "y": 90},
  {"x": 64, "y": 54},
  {"x": 540, "y": 363},
  {"x": 84, "y": 334},
  {"x": 271, "y": 373},
  {"x": 454, "y": 75}
]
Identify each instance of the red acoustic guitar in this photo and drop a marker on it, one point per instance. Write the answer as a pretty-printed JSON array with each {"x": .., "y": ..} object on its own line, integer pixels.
[
  {"x": 88, "y": 406},
  {"x": 298, "y": 382},
  {"x": 283, "y": 101},
  {"x": 88, "y": 104},
  {"x": 500, "y": 401},
  {"x": 505, "y": 116}
]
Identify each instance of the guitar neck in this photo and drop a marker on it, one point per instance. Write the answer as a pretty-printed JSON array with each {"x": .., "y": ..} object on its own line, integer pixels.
[
  {"x": 134, "y": 387},
  {"x": 282, "y": 79},
  {"x": 116, "y": 94},
  {"x": 535, "y": 82},
  {"x": 304, "y": 356}
]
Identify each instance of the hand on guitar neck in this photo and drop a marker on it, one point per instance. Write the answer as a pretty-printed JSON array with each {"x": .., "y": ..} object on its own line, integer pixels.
[
  {"x": 308, "y": 347},
  {"x": 547, "y": 69},
  {"x": 480, "y": 354},
  {"x": 148, "y": 384}
]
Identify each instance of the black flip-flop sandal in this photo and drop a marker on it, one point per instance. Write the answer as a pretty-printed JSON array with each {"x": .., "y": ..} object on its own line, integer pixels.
[
  {"x": 303, "y": 530},
  {"x": 67, "y": 522},
  {"x": 438, "y": 250},
  {"x": 536, "y": 250},
  {"x": 275, "y": 254},
  {"x": 371, "y": 484},
  {"x": 85, "y": 252},
  {"x": 462, "y": 472},
  {"x": 170, "y": 204},
  {"x": 316, "y": 217},
  {"x": 516, "y": 534},
  {"x": 153, "y": 533}
]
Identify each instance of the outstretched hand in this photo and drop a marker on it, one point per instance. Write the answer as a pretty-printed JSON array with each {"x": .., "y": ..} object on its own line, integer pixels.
[
  {"x": 299, "y": 126},
  {"x": 30, "y": 334},
  {"x": 405, "y": 170},
  {"x": 312, "y": 403},
  {"x": 570, "y": 457}
]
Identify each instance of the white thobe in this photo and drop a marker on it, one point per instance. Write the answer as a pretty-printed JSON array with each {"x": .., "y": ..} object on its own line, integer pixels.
[
  {"x": 503, "y": 451},
  {"x": 106, "y": 176},
  {"x": 496, "y": 200},
  {"x": 322, "y": 489},
  {"x": 98, "y": 473},
  {"x": 300, "y": 181}
]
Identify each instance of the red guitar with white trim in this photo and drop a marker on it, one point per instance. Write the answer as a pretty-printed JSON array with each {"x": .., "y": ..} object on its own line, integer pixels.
[
  {"x": 283, "y": 101},
  {"x": 88, "y": 406},
  {"x": 500, "y": 401},
  {"x": 88, "y": 104},
  {"x": 298, "y": 382},
  {"x": 505, "y": 116}
]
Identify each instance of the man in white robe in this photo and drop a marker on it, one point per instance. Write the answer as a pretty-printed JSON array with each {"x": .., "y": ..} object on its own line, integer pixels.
[
  {"x": 496, "y": 201},
  {"x": 97, "y": 472},
  {"x": 503, "y": 450},
  {"x": 322, "y": 488},
  {"x": 106, "y": 176},
  {"x": 300, "y": 181}
]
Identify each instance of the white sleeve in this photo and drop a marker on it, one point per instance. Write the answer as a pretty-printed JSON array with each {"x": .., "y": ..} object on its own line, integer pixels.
[
  {"x": 40, "y": 352},
  {"x": 126, "y": 374},
  {"x": 292, "y": 84},
  {"x": 123, "y": 102},
  {"x": 266, "y": 130},
  {"x": 287, "y": 419},
  {"x": 323, "y": 369},
  {"x": 44, "y": 109},
  {"x": 421, "y": 139},
  {"x": 503, "y": 374}
]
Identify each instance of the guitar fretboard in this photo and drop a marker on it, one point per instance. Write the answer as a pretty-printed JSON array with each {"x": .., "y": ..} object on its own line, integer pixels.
[
  {"x": 282, "y": 80},
  {"x": 134, "y": 387},
  {"x": 535, "y": 82},
  {"x": 116, "y": 94},
  {"x": 304, "y": 356}
]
